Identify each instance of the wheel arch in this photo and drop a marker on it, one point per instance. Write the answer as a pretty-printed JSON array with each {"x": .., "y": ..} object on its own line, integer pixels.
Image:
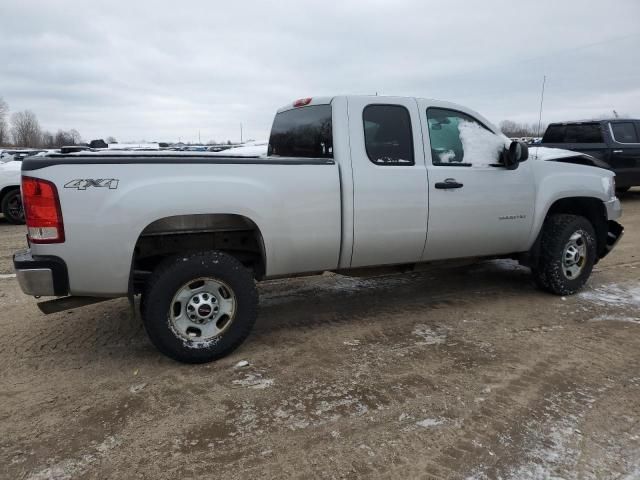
[
  {"x": 5, "y": 190},
  {"x": 592, "y": 208},
  {"x": 234, "y": 234}
]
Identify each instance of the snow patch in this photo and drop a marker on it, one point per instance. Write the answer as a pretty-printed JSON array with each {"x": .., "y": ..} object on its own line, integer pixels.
[
  {"x": 613, "y": 295},
  {"x": 430, "y": 422},
  {"x": 429, "y": 336},
  {"x": 75, "y": 467},
  {"x": 481, "y": 147},
  {"x": 616, "y": 318},
  {"x": 255, "y": 381},
  {"x": 7, "y": 275}
]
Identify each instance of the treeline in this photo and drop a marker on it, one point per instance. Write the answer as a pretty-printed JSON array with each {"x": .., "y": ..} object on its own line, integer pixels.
[
  {"x": 521, "y": 129},
  {"x": 22, "y": 129}
]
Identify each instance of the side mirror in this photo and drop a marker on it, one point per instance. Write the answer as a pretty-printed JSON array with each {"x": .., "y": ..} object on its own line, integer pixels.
[{"x": 517, "y": 152}]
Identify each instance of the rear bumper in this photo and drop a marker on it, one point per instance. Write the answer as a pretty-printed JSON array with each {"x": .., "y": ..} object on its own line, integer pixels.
[{"x": 41, "y": 276}]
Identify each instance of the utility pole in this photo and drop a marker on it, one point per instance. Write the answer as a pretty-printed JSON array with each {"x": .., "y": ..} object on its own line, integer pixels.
[
  {"x": 544, "y": 81},
  {"x": 240, "y": 132},
  {"x": 199, "y": 141}
]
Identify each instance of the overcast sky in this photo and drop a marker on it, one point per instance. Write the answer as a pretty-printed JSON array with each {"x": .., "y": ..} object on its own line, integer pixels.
[{"x": 143, "y": 70}]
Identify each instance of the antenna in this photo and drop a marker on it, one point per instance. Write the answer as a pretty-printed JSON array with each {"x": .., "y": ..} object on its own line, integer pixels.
[{"x": 544, "y": 81}]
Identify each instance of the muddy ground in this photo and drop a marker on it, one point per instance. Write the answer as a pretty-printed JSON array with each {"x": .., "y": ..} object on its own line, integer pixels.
[{"x": 468, "y": 372}]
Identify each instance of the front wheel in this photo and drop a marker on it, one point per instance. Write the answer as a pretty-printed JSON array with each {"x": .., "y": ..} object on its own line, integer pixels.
[
  {"x": 568, "y": 253},
  {"x": 199, "y": 307},
  {"x": 12, "y": 207}
]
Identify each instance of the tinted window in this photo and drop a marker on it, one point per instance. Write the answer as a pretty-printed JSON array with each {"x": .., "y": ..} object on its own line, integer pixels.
[
  {"x": 453, "y": 134},
  {"x": 554, "y": 134},
  {"x": 583, "y": 133},
  {"x": 387, "y": 135},
  {"x": 302, "y": 132},
  {"x": 624, "y": 132}
]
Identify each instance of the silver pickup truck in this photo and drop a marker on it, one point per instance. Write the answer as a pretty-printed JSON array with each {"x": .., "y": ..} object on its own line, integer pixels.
[{"x": 349, "y": 182}]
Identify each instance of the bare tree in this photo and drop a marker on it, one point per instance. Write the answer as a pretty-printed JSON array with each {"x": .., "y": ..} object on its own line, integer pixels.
[
  {"x": 111, "y": 140},
  {"x": 48, "y": 140},
  {"x": 4, "y": 127},
  {"x": 25, "y": 129},
  {"x": 75, "y": 136}
]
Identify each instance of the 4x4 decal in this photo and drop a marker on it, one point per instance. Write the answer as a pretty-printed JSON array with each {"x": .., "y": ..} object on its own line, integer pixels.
[{"x": 84, "y": 183}]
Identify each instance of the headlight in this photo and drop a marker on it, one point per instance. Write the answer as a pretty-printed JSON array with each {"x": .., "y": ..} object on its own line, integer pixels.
[{"x": 609, "y": 184}]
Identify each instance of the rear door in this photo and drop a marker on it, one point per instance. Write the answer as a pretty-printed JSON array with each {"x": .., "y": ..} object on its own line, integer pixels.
[
  {"x": 476, "y": 206},
  {"x": 389, "y": 181},
  {"x": 625, "y": 152}
]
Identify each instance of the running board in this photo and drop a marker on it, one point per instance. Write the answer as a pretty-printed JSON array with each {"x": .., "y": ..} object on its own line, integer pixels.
[{"x": 68, "y": 303}]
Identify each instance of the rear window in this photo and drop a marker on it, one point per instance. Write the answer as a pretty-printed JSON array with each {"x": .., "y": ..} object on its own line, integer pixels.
[
  {"x": 554, "y": 134},
  {"x": 302, "y": 132},
  {"x": 624, "y": 132}
]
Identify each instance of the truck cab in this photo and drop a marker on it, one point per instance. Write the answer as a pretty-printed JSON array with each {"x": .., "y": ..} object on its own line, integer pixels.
[{"x": 616, "y": 142}]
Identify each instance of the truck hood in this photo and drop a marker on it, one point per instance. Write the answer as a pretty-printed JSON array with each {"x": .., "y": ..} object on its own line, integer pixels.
[{"x": 566, "y": 156}]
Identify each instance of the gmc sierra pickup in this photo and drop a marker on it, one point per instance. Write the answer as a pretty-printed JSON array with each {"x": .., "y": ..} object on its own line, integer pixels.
[{"x": 349, "y": 182}]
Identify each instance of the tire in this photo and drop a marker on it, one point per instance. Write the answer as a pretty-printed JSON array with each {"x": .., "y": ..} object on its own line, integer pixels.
[
  {"x": 568, "y": 253},
  {"x": 12, "y": 207},
  {"x": 174, "y": 313}
]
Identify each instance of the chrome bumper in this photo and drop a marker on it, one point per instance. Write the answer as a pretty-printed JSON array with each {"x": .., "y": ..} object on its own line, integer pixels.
[{"x": 41, "y": 276}]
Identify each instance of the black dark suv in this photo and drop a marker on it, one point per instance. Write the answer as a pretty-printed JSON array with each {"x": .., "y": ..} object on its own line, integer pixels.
[{"x": 615, "y": 142}]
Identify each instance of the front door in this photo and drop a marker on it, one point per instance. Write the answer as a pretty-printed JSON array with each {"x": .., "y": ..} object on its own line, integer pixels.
[
  {"x": 477, "y": 207},
  {"x": 389, "y": 181}
]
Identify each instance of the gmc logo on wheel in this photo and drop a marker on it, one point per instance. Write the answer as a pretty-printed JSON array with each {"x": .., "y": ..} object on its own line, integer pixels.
[{"x": 84, "y": 183}]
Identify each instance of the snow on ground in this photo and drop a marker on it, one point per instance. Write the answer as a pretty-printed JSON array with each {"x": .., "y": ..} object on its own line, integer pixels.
[
  {"x": 429, "y": 336},
  {"x": 613, "y": 295},
  {"x": 254, "y": 149}
]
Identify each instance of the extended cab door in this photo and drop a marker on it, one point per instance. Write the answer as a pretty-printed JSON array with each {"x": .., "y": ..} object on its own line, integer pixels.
[
  {"x": 477, "y": 207},
  {"x": 389, "y": 181}
]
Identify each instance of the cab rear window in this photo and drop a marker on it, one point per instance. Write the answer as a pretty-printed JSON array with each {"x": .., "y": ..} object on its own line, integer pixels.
[
  {"x": 302, "y": 132},
  {"x": 574, "y": 133}
]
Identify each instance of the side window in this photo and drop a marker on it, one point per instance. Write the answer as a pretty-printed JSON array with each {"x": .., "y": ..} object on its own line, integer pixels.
[
  {"x": 459, "y": 139},
  {"x": 624, "y": 132},
  {"x": 387, "y": 134},
  {"x": 584, "y": 133}
]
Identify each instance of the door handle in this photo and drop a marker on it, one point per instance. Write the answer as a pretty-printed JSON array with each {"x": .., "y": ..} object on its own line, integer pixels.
[{"x": 448, "y": 183}]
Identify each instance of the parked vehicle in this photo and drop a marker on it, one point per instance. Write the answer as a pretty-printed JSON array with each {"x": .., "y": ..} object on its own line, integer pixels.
[
  {"x": 349, "y": 183},
  {"x": 10, "y": 201},
  {"x": 616, "y": 142}
]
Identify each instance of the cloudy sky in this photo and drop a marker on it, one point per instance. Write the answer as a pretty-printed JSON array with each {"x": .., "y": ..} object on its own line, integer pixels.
[{"x": 166, "y": 70}]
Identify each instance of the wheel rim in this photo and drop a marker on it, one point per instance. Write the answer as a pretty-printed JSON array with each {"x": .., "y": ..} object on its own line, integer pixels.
[
  {"x": 202, "y": 309},
  {"x": 15, "y": 208},
  {"x": 574, "y": 256}
]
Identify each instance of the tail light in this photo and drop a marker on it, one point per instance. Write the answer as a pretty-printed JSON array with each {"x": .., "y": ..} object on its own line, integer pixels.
[{"x": 42, "y": 211}]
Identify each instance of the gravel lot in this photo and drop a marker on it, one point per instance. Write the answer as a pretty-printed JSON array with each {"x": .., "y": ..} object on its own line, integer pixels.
[{"x": 467, "y": 372}]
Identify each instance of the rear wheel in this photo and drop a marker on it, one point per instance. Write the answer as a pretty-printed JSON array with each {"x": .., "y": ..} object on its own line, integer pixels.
[
  {"x": 199, "y": 307},
  {"x": 12, "y": 207},
  {"x": 568, "y": 253}
]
